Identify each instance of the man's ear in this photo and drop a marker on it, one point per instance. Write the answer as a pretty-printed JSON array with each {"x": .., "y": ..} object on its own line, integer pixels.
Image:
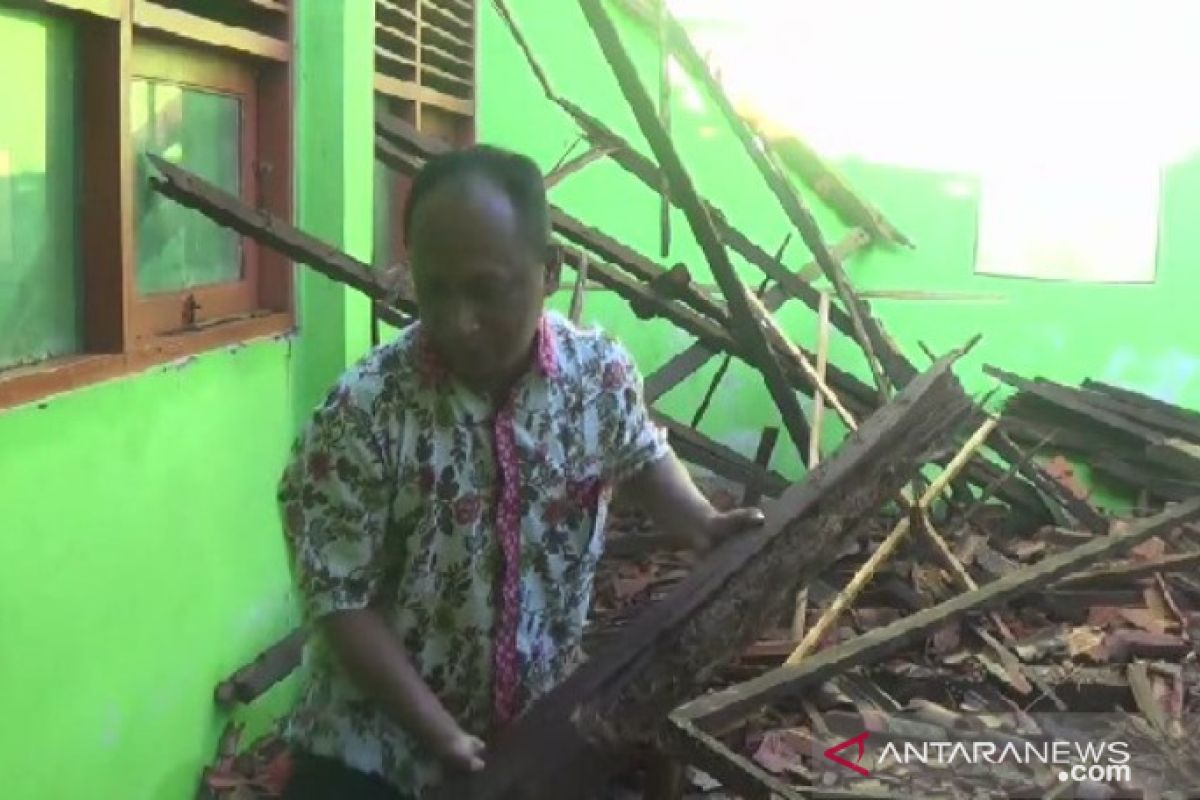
[{"x": 553, "y": 266}]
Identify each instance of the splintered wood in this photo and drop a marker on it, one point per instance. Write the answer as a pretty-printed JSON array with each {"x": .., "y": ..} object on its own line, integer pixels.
[
  {"x": 623, "y": 694},
  {"x": 1015, "y": 592}
]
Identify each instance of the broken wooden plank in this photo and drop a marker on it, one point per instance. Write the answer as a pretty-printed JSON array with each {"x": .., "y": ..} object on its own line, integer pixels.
[
  {"x": 674, "y": 646},
  {"x": 1153, "y": 411},
  {"x": 833, "y": 188},
  {"x": 887, "y": 364},
  {"x": 611, "y": 251},
  {"x": 577, "y": 164},
  {"x": 684, "y": 193},
  {"x": 194, "y": 192},
  {"x": 762, "y": 457},
  {"x": 890, "y": 545},
  {"x": 1068, "y": 399},
  {"x": 818, "y": 414},
  {"x": 696, "y": 448},
  {"x": 253, "y": 680},
  {"x": 1124, "y": 573},
  {"x": 682, "y": 366},
  {"x": 719, "y": 709},
  {"x": 1079, "y": 509},
  {"x": 649, "y": 174}
]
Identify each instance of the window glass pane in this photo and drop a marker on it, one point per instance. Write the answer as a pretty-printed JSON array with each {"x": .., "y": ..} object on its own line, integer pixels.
[
  {"x": 201, "y": 131},
  {"x": 40, "y": 312}
]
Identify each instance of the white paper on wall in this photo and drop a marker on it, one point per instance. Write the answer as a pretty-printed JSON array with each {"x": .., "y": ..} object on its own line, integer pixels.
[{"x": 1065, "y": 222}]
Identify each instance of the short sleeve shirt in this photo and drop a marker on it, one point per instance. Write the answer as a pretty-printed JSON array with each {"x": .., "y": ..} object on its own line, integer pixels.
[{"x": 389, "y": 501}]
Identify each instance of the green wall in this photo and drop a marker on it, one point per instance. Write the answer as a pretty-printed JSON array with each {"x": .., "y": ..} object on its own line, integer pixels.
[
  {"x": 141, "y": 560},
  {"x": 1131, "y": 335},
  {"x": 138, "y": 567},
  {"x": 140, "y": 556}
]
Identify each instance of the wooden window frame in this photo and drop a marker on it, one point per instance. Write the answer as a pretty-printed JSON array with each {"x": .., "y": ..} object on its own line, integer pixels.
[
  {"x": 168, "y": 312},
  {"x": 123, "y": 332}
]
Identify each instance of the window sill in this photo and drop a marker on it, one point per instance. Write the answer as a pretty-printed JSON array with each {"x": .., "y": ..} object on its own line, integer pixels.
[{"x": 26, "y": 385}]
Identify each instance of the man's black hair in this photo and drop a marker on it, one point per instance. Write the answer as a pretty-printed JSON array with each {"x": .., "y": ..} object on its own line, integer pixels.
[{"x": 514, "y": 174}]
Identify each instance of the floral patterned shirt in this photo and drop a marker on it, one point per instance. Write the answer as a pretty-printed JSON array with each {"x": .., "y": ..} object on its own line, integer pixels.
[{"x": 389, "y": 501}]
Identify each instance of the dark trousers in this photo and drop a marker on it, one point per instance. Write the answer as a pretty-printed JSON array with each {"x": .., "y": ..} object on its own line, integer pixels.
[{"x": 318, "y": 778}]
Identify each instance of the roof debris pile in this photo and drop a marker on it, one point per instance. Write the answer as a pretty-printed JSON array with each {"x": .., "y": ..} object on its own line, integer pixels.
[{"x": 944, "y": 568}]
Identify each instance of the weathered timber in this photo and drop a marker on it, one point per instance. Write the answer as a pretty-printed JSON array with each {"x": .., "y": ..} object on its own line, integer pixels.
[
  {"x": 813, "y": 170},
  {"x": 711, "y": 391},
  {"x": 1126, "y": 572},
  {"x": 1068, "y": 399},
  {"x": 253, "y": 680},
  {"x": 1152, "y": 410},
  {"x": 684, "y": 192},
  {"x": 887, "y": 364},
  {"x": 721, "y": 708},
  {"x": 645, "y": 170},
  {"x": 668, "y": 652},
  {"x": 1141, "y": 475},
  {"x": 614, "y": 252},
  {"x": 577, "y": 164},
  {"x": 577, "y": 293},
  {"x": 734, "y": 772},
  {"x": 1079, "y": 509},
  {"x": 795, "y": 284},
  {"x": 696, "y": 448},
  {"x": 682, "y": 366},
  {"x": 1144, "y": 414},
  {"x": 762, "y": 457},
  {"x": 857, "y": 396},
  {"x": 833, "y": 188},
  {"x": 194, "y": 192}
]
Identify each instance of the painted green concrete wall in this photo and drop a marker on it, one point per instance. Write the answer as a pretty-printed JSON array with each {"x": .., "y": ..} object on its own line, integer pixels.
[
  {"x": 1137, "y": 336},
  {"x": 140, "y": 554},
  {"x": 138, "y": 566}
]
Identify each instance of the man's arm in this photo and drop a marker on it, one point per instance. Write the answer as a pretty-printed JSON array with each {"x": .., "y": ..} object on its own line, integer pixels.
[
  {"x": 666, "y": 492},
  {"x": 334, "y": 497},
  {"x": 642, "y": 464},
  {"x": 375, "y": 659}
]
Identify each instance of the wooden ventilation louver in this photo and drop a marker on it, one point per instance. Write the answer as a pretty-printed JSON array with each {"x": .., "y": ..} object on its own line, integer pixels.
[
  {"x": 255, "y": 27},
  {"x": 425, "y": 52}
]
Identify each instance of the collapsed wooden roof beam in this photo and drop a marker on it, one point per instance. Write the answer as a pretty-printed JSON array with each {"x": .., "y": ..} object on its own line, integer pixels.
[
  {"x": 887, "y": 364},
  {"x": 225, "y": 209},
  {"x": 684, "y": 193},
  {"x": 668, "y": 652},
  {"x": 722, "y": 708}
]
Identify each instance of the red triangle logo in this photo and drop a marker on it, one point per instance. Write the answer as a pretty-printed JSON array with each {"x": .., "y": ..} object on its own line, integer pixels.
[{"x": 832, "y": 753}]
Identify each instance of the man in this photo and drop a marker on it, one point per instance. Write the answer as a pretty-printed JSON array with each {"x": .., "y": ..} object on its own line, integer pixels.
[{"x": 445, "y": 507}]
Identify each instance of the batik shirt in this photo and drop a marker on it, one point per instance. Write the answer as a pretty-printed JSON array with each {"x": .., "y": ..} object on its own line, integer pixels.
[{"x": 389, "y": 501}]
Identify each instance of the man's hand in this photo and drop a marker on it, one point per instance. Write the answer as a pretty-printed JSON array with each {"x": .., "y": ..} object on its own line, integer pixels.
[
  {"x": 723, "y": 525},
  {"x": 677, "y": 508},
  {"x": 461, "y": 751}
]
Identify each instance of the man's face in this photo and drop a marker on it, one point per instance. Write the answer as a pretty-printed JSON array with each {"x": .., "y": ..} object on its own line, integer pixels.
[{"x": 479, "y": 282}]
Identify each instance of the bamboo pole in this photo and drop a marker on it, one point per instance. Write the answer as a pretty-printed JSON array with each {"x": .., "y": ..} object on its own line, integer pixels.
[
  {"x": 814, "y": 444},
  {"x": 868, "y": 570},
  {"x": 800, "y": 615},
  {"x": 581, "y": 279},
  {"x": 785, "y": 346}
]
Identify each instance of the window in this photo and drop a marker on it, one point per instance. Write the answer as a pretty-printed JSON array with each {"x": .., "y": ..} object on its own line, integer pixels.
[
  {"x": 99, "y": 274},
  {"x": 199, "y": 113},
  {"x": 40, "y": 314},
  {"x": 425, "y": 75}
]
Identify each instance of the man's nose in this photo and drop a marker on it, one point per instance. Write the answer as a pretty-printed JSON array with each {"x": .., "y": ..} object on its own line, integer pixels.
[{"x": 464, "y": 320}]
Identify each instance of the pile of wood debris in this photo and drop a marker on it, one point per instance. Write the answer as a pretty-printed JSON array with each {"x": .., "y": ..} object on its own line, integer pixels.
[
  {"x": 1124, "y": 634},
  {"x": 1014, "y": 592}
]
